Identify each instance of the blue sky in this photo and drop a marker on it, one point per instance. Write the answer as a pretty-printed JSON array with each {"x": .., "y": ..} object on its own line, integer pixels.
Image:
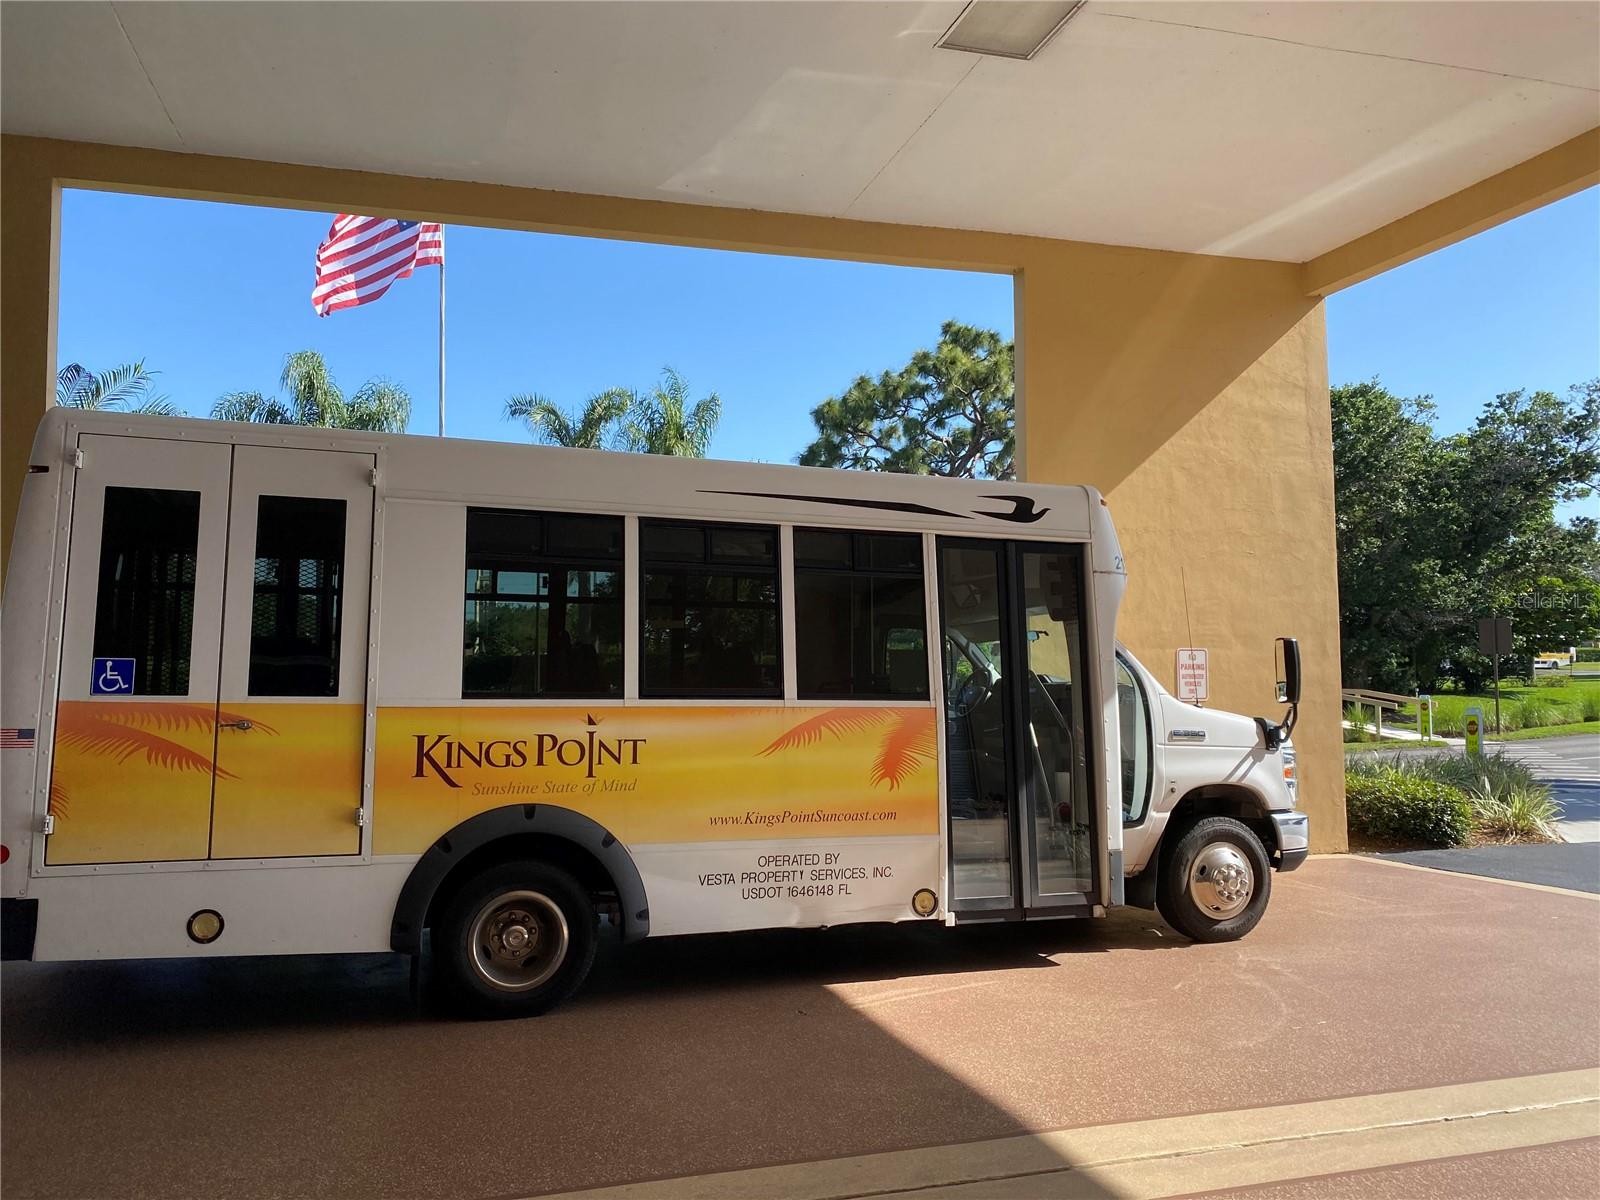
[
  {"x": 214, "y": 295},
  {"x": 223, "y": 292}
]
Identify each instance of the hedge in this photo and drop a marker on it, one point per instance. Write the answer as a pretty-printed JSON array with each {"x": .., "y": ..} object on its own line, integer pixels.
[
  {"x": 1395, "y": 805},
  {"x": 1588, "y": 654}
]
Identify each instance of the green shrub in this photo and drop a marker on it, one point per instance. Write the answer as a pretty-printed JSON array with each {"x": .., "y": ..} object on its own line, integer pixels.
[
  {"x": 1589, "y": 654},
  {"x": 1394, "y": 804},
  {"x": 1487, "y": 777},
  {"x": 1360, "y": 727},
  {"x": 1533, "y": 711},
  {"x": 1589, "y": 706},
  {"x": 1524, "y": 813}
]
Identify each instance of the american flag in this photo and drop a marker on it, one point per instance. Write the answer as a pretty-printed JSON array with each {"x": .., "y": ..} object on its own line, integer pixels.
[
  {"x": 16, "y": 739},
  {"x": 362, "y": 256}
]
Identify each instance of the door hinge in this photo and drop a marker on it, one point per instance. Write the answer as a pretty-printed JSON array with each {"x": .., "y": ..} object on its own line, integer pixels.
[
  {"x": 361, "y": 818},
  {"x": 49, "y": 824},
  {"x": 77, "y": 459},
  {"x": 374, "y": 476}
]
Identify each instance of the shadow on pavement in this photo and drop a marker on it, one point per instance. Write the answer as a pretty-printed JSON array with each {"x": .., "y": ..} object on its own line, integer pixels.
[{"x": 315, "y": 1076}]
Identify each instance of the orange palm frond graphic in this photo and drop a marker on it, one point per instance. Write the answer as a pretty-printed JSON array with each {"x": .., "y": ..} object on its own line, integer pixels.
[
  {"x": 907, "y": 744},
  {"x": 175, "y": 717},
  {"x": 837, "y": 721},
  {"x": 909, "y": 741},
  {"x": 121, "y": 731},
  {"x": 96, "y": 734}
]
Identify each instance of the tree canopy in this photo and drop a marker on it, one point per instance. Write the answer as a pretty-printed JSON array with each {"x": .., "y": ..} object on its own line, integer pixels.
[
  {"x": 313, "y": 398},
  {"x": 1435, "y": 532},
  {"x": 949, "y": 411}
]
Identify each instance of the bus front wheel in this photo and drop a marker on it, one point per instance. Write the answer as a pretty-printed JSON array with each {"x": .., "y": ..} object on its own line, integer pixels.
[
  {"x": 1215, "y": 881},
  {"x": 516, "y": 940}
]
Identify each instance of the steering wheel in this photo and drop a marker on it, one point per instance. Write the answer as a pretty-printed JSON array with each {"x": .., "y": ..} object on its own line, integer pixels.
[{"x": 972, "y": 694}]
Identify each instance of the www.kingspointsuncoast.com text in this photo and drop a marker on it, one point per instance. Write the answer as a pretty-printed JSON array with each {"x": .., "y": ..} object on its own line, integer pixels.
[{"x": 813, "y": 816}]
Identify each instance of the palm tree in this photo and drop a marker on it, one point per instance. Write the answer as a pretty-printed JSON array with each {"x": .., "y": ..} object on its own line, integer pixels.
[
  {"x": 592, "y": 428},
  {"x": 664, "y": 422},
  {"x": 124, "y": 389},
  {"x": 380, "y": 405},
  {"x": 251, "y": 406}
]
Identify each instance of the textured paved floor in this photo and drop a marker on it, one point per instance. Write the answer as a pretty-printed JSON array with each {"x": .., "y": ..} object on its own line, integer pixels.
[{"x": 311, "y": 1077}]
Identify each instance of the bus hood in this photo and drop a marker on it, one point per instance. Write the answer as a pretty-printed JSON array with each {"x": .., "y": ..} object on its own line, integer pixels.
[{"x": 1187, "y": 725}]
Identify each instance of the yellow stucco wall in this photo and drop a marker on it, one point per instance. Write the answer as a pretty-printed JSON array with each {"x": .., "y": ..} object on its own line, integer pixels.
[
  {"x": 1194, "y": 392},
  {"x": 1191, "y": 389}
]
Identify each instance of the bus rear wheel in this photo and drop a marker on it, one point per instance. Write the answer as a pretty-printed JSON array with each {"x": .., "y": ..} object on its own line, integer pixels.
[
  {"x": 1215, "y": 881},
  {"x": 516, "y": 940}
]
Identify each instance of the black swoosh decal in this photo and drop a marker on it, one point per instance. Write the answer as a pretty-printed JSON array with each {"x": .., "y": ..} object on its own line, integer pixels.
[
  {"x": 1022, "y": 510},
  {"x": 887, "y": 505}
]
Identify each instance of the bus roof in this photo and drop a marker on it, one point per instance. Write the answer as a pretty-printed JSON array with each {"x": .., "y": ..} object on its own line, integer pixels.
[{"x": 509, "y": 474}]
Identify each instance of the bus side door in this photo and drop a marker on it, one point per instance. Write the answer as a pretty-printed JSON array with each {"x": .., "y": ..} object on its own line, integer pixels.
[
  {"x": 133, "y": 743},
  {"x": 291, "y": 718}
]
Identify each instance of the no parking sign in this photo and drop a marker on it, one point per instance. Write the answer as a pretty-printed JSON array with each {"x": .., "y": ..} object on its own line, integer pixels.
[{"x": 1194, "y": 676}]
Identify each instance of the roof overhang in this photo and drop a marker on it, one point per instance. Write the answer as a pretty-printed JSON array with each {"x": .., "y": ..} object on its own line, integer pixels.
[{"x": 1283, "y": 131}]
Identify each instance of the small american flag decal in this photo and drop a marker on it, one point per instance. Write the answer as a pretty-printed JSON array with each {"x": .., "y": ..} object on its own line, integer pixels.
[{"x": 16, "y": 739}]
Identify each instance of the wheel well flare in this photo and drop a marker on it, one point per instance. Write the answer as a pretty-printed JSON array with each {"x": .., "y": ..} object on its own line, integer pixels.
[{"x": 546, "y": 832}]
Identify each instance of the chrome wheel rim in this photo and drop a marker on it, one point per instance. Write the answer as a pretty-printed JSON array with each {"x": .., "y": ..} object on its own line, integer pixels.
[
  {"x": 1221, "y": 880},
  {"x": 519, "y": 940}
]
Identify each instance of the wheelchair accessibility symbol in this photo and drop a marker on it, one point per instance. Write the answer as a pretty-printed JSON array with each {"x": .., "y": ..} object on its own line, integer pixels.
[{"x": 112, "y": 677}]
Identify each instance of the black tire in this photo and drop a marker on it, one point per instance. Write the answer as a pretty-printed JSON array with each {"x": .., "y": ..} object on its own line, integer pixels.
[
  {"x": 533, "y": 889},
  {"x": 1175, "y": 897}
]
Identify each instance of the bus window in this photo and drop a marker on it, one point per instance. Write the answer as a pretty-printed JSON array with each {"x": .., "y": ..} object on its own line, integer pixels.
[
  {"x": 145, "y": 607},
  {"x": 543, "y": 605},
  {"x": 710, "y": 623},
  {"x": 860, "y": 619},
  {"x": 294, "y": 610},
  {"x": 1134, "y": 728}
]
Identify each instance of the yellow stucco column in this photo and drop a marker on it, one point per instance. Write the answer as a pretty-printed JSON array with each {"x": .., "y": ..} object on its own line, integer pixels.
[
  {"x": 1193, "y": 392},
  {"x": 29, "y": 242}
]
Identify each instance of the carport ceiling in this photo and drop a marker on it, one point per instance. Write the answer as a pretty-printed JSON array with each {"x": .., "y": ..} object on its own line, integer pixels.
[{"x": 1264, "y": 130}]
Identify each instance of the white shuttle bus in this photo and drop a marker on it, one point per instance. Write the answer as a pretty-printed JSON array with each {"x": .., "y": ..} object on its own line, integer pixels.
[{"x": 276, "y": 690}]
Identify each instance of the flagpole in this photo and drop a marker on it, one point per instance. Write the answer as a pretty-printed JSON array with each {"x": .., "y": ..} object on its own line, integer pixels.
[{"x": 441, "y": 346}]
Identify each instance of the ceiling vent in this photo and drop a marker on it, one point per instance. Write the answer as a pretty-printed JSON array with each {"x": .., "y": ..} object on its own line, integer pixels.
[{"x": 1008, "y": 28}]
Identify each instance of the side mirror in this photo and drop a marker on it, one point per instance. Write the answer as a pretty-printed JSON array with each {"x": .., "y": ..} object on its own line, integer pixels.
[{"x": 1288, "y": 671}]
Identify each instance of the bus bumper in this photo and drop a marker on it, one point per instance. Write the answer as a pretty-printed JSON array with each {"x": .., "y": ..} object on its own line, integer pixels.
[{"x": 1294, "y": 838}]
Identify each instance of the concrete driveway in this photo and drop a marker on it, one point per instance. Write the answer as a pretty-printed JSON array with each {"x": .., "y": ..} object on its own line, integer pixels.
[{"x": 1386, "y": 1030}]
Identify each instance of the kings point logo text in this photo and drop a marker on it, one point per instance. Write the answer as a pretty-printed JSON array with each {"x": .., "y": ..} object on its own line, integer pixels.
[{"x": 441, "y": 754}]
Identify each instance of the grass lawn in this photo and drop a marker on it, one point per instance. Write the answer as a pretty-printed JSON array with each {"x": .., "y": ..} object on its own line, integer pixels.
[
  {"x": 1424, "y": 744},
  {"x": 1535, "y": 709},
  {"x": 1588, "y": 727}
]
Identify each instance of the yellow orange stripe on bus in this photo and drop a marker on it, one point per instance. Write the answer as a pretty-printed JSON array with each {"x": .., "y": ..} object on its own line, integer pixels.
[{"x": 649, "y": 774}]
